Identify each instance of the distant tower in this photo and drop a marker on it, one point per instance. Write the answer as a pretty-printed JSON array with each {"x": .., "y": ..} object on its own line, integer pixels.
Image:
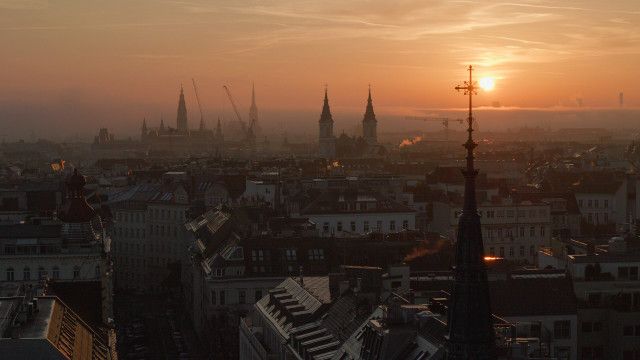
[
  {"x": 181, "y": 120},
  {"x": 369, "y": 123},
  {"x": 161, "y": 123},
  {"x": 218, "y": 139},
  {"x": 253, "y": 112},
  {"x": 201, "y": 124},
  {"x": 471, "y": 333},
  {"x": 326, "y": 140},
  {"x": 621, "y": 99},
  {"x": 144, "y": 130}
]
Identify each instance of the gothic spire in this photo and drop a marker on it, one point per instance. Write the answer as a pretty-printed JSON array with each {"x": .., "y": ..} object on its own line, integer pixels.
[
  {"x": 181, "y": 118},
  {"x": 326, "y": 111},
  {"x": 369, "y": 114},
  {"x": 161, "y": 122},
  {"x": 144, "y": 125},
  {"x": 471, "y": 333}
]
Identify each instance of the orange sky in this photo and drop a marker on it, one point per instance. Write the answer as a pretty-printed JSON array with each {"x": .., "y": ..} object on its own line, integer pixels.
[{"x": 132, "y": 55}]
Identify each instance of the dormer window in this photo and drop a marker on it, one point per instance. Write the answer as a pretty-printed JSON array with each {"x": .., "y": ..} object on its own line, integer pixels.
[{"x": 218, "y": 272}]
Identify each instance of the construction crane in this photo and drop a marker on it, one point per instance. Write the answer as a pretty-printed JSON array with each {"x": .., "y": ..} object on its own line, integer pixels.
[
  {"x": 443, "y": 120},
  {"x": 195, "y": 89},
  {"x": 235, "y": 108}
]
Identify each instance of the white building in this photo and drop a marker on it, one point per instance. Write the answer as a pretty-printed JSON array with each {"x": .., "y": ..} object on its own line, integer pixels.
[
  {"x": 75, "y": 248},
  {"x": 513, "y": 231},
  {"x": 148, "y": 235},
  {"x": 351, "y": 212}
]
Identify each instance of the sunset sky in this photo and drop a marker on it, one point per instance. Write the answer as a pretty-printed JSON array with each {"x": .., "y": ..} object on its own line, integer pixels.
[{"x": 109, "y": 63}]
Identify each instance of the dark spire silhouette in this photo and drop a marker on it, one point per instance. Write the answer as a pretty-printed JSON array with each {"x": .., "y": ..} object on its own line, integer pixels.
[
  {"x": 161, "y": 122},
  {"x": 181, "y": 118},
  {"x": 144, "y": 125},
  {"x": 326, "y": 111},
  {"x": 219, "y": 129},
  {"x": 471, "y": 333}
]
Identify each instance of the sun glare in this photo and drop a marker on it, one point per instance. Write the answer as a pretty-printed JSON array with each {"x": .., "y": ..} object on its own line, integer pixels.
[{"x": 487, "y": 83}]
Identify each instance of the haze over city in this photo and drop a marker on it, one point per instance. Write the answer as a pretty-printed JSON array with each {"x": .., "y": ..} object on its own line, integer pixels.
[
  {"x": 319, "y": 180},
  {"x": 78, "y": 64}
]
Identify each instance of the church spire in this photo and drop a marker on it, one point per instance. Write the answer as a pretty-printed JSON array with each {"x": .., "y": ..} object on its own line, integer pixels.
[
  {"x": 369, "y": 122},
  {"x": 471, "y": 333},
  {"x": 181, "y": 118},
  {"x": 144, "y": 125},
  {"x": 326, "y": 111},
  {"x": 161, "y": 122},
  {"x": 219, "y": 129}
]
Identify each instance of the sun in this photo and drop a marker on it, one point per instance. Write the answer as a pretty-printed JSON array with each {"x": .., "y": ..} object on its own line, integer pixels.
[{"x": 487, "y": 83}]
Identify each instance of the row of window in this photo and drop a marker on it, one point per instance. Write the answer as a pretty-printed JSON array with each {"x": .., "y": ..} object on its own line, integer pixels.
[
  {"x": 594, "y": 218},
  {"x": 290, "y": 255},
  {"x": 220, "y": 297},
  {"x": 155, "y": 214},
  {"x": 161, "y": 247},
  {"x": 493, "y": 234},
  {"x": 491, "y": 214},
  {"x": 366, "y": 227},
  {"x": 127, "y": 232},
  {"x": 43, "y": 273},
  {"x": 594, "y": 203},
  {"x": 532, "y": 251}
]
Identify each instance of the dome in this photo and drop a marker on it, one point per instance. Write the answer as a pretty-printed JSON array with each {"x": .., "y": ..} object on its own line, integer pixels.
[{"x": 76, "y": 209}]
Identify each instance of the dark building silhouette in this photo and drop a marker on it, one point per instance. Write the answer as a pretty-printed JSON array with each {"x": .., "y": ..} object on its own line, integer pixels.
[{"x": 471, "y": 333}]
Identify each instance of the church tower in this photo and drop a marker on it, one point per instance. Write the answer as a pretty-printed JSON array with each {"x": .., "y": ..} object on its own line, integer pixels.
[
  {"x": 471, "y": 333},
  {"x": 369, "y": 123},
  {"x": 218, "y": 139},
  {"x": 326, "y": 140},
  {"x": 253, "y": 112},
  {"x": 181, "y": 119}
]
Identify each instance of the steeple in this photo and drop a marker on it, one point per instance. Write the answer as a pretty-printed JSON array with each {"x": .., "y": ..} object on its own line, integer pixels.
[
  {"x": 471, "y": 333},
  {"x": 181, "y": 119},
  {"x": 326, "y": 140},
  {"x": 326, "y": 111},
  {"x": 253, "y": 110},
  {"x": 144, "y": 126},
  {"x": 369, "y": 122},
  {"x": 161, "y": 122}
]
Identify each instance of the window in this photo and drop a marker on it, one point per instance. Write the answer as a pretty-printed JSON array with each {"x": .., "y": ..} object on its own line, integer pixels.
[
  {"x": 257, "y": 255},
  {"x": 532, "y": 250},
  {"x": 242, "y": 296},
  {"x": 580, "y": 203},
  {"x": 532, "y": 231},
  {"x": 379, "y": 225},
  {"x": 258, "y": 295},
  {"x": 606, "y": 204},
  {"x": 55, "y": 272},
  {"x": 596, "y": 203},
  {"x": 501, "y": 251},
  {"x": 223, "y": 299},
  {"x": 10, "y": 274},
  {"x": 521, "y": 232},
  {"x": 405, "y": 224},
  {"x": 316, "y": 254},
  {"x": 510, "y": 251},
  {"x": 392, "y": 225},
  {"x": 589, "y": 203},
  {"x": 325, "y": 227},
  {"x": 339, "y": 226},
  {"x": 291, "y": 254},
  {"x": 76, "y": 272},
  {"x": 542, "y": 231},
  {"x": 26, "y": 274},
  {"x": 521, "y": 251},
  {"x": 353, "y": 226},
  {"x": 628, "y": 273},
  {"x": 492, "y": 251},
  {"x": 366, "y": 226},
  {"x": 562, "y": 329},
  {"x": 42, "y": 273}
]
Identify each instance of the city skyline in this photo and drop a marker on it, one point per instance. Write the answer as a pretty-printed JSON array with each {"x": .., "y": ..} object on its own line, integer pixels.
[{"x": 73, "y": 61}]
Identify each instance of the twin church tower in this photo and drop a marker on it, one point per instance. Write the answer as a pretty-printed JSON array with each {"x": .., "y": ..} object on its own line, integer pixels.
[{"x": 326, "y": 138}]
